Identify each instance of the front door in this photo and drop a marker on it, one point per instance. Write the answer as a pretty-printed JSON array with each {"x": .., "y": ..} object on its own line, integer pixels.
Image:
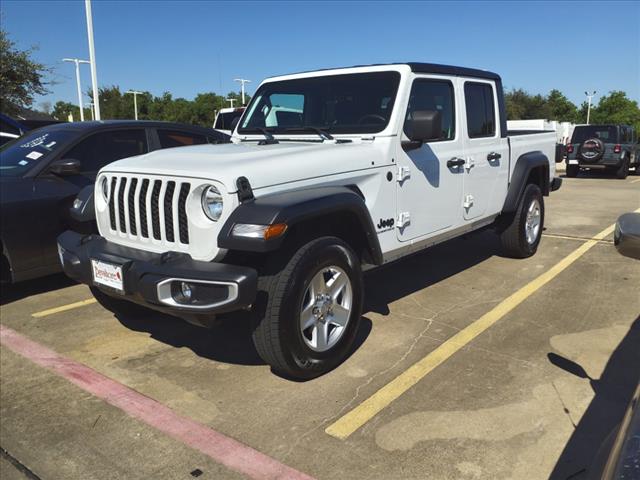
[
  {"x": 486, "y": 153},
  {"x": 429, "y": 179}
]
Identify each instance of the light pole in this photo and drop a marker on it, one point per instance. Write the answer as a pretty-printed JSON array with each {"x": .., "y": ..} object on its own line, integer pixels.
[
  {"x": 242, "y": 82},
  {"x": 91, "y": 108},
  {"x": 92, "y": 58},
  {"x": 231, "y": 100},
  {"x": 135, "y": 100},
  {"x": 77, "y": 61},
  {"x": 589, "y": 98}
]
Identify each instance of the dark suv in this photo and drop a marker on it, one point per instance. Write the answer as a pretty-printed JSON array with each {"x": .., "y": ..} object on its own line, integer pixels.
[{"x": 610, "y": 147}]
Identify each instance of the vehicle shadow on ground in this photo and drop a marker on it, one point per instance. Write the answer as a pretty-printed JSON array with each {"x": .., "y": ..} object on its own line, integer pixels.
[
  {"x": 228, "y": 341},
  {"x": 409, "y": 275},
  {"x": 13, "y": 293},
  {"x": 582, "y": 455},
  {"x": 598, "y": 174}
]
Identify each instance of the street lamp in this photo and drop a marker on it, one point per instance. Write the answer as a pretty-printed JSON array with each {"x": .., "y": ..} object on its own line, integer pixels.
[
  {"x": 77, "y": 61},
  {"x": 231, "y": 100},
  {"x": 135, "y": 100},
  {"x": 242, "y": 82},
  {"x": 589, "y": 98},
  {"x": 92, "y": 59}
]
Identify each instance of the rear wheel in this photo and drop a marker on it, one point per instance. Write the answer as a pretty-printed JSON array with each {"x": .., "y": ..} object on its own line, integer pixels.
[
  {"x": 307, "y": 323},
  {"x": 623, "y": 170},
  {"x": 572, "y": 170},
  {"x": 522, "y": 236}
]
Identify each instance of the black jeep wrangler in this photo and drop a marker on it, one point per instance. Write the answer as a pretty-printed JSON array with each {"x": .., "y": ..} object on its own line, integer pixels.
[{"x": 610, "y": 147}]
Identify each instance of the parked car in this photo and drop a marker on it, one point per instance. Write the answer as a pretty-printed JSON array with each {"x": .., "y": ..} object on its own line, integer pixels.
[
  {"x": 227, "y": 118},
  {"x": 383, "y": 161},
  {"x": 42, "y": 172},
  {"x": 610, "y": 147}
]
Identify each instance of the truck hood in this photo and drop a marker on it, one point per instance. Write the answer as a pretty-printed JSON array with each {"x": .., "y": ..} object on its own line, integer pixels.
[{"x": 263, "y": 165}]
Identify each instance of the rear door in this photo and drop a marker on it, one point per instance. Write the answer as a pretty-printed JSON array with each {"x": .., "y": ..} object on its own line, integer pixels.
[
  {"x": 486, "y": 152},
  {"x": 429, "y": 187}
]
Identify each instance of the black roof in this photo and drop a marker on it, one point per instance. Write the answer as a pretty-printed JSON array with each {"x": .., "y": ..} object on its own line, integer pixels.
[
  {"x": 426, "y": 68},
  {"x": 97, "y": 125}
]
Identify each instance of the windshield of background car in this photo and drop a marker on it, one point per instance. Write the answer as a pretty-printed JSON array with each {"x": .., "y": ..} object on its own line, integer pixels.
[
  {"x": 605, "y": 133},
  {"x": 353, "y": 103},
  {"x": 22, "y": 154},
  {"x": 224, "y": 120}
]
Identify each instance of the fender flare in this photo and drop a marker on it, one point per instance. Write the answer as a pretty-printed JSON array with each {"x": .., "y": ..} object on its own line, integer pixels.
[
  {"x": 525, "y": 164},
  {"x": 293, "y": 207}
]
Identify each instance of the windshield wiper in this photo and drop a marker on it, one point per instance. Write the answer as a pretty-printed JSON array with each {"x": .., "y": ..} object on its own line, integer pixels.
[
  {"x": 270, "y": 139},
  {"x": 324, "y": 135}
]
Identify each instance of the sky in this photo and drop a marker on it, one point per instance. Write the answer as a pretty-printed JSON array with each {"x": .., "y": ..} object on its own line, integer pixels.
[{"x": 187, "y": 47}]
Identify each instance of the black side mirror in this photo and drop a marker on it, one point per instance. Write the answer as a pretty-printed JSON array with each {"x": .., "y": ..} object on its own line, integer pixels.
[
  {"x": 65, "y": 166},
  {"x": 424, "y": 125},
  {"x": 626, "y": 236},
  {"x": 234, "y": 123}
]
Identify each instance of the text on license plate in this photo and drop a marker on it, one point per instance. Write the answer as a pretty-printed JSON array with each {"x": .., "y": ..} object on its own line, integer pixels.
[{"x": 107, "y": 274}]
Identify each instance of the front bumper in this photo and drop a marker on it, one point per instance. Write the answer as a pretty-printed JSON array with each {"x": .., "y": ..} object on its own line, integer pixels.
[{"x": 148, "y": 277}]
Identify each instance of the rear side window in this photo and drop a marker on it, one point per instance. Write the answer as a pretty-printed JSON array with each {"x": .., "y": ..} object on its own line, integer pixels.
[
  {"x": 434, "y": 95},
  {"x": 481, "y": 115},
  {"x": 103, "y": 148},
  {"x": 174, "y": 138}
]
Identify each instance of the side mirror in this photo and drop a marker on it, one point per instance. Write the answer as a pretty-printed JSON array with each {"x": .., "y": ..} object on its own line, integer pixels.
[
  {"x": 626, "y": 236},
  {"x": 234, "y": 123},
  {"x": 65, "y": 166},
  {"x": 425, "y": 125}
]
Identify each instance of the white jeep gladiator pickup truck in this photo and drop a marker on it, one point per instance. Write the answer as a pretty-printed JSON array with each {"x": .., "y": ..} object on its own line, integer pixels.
[{"x": 331, "y": 172}]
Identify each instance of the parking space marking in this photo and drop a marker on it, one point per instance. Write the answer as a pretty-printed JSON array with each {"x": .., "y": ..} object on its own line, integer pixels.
[
  {"x": 222, "y": 449},
  {"x": 573, "y": 237},
  {"x": 365, "y": 411},
  {"x": 636, "y": 180},
  {"x": 63, "y": 308}
]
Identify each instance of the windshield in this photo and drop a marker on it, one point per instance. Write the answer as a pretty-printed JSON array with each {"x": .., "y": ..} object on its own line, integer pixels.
[
  {"x": 224, "y": 120},
  {"x": 354, "y": 103},
  {"x": 22, "y": 154},
  {"x": 605, "y": 133}
]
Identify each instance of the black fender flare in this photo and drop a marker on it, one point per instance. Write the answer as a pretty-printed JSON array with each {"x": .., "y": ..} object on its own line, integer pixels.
[
  {"x": 294, "y": 207},
  {"x": 525, "y": 164}
]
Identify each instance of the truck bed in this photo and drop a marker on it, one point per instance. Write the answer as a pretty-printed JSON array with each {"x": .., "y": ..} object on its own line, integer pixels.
[{"x": 523, "y": 141}]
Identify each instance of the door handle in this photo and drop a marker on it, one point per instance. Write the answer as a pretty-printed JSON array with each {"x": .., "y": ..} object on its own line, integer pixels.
[
  {"x": 455, "y": 162},
  {"x": 494, "y": 156}
]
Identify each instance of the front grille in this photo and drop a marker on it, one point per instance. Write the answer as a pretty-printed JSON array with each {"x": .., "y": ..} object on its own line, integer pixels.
[{"x": 141, "y": 207}]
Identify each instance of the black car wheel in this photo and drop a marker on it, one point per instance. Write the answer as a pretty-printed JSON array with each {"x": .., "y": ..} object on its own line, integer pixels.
[
  {"x": 308, "y": 321},
  {"x": 623, "y": 169}
]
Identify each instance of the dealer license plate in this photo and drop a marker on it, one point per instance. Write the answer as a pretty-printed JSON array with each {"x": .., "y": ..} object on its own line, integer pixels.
[{"x": 107, "y": 274}]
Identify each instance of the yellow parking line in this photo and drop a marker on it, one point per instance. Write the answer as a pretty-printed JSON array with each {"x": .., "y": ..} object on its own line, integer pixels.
[
  {"x": 364, "y": 412},
  {"x": 636, "y": 180},
  {"x": 63, "y": 308}
]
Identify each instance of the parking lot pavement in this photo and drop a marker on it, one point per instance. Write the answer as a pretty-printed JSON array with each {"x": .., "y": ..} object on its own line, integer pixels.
[{"x": 496, "y": 407}]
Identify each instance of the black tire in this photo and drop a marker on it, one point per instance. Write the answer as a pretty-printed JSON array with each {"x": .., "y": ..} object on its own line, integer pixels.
[
  {"x": 277, "y": 335},
  {"x": 117, "y": 306},
  {"x": 623, "y": 170},
  {"x": 514, "y": 237},
  {"x": 572, "y": 170}
]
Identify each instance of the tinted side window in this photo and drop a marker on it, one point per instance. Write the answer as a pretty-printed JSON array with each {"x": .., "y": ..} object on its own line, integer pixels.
[
  {"x": 481, "y": 117},
  {"x": 175, "y": 138},
  {"x": 434, "y": 95},
  {"x": 103, "y": 148}
]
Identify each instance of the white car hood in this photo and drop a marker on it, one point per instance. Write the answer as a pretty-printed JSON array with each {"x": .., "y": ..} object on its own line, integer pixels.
[{"x": 263, "y": 165}]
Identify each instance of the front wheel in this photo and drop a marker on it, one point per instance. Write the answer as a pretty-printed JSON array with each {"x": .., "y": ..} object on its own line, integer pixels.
[
  {"x": 522, "y": 236},
  {"x": 310, "y": 316}
]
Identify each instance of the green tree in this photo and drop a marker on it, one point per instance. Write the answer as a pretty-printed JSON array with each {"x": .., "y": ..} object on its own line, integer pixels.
[
  {"x": 561, "y": 108},
  {"x": 21, "y": 78},
  {"x": 616, "y": 108}
]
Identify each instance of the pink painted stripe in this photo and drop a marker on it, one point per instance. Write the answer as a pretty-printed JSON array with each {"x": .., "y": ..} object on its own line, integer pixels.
[{"x": 225, "y": 450}]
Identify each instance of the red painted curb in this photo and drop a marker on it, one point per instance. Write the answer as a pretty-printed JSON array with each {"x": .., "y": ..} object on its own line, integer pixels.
[{"x": 224, "y": 450}]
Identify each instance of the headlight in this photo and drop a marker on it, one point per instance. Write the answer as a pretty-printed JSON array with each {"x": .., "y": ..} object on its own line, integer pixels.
[
  {"x": 104, "y": 186},
  {"x": 212, "y": 203}
]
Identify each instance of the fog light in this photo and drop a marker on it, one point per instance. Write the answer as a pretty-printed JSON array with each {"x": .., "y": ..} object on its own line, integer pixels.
[{"x": 186, "y": 290}]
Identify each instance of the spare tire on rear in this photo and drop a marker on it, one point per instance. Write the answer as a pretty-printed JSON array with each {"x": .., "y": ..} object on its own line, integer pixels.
[{"x": 591, "y": 150}]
